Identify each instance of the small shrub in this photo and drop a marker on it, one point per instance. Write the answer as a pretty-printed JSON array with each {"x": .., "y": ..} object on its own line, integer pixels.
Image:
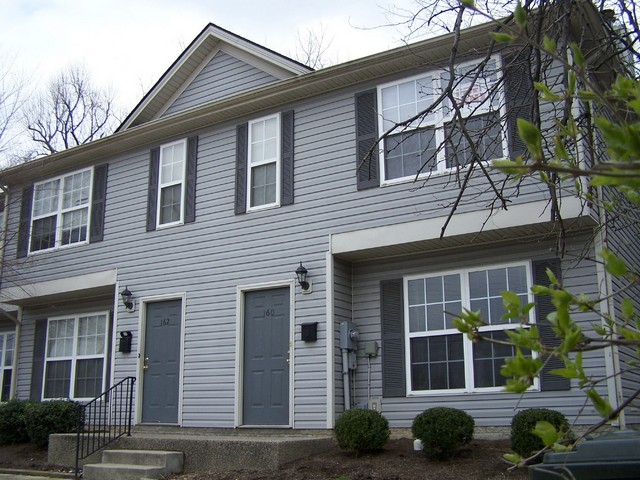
[
  {"x": 362, "y": 430},
  {"x": 46, "y": 418},
  {"x": 443, "y": 431},
  {"x": 525, "y": 443},
  {"x": 13, "y": 427}
]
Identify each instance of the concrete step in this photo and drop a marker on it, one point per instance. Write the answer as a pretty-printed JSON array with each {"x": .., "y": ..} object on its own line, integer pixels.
[
  {"x": 172, "y": 461},
  {"x": 120, "y": 471},
  {"x": 134, "y": 465}
]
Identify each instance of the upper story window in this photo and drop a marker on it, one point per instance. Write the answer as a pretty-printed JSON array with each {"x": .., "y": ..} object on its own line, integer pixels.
[
  {"x": 171, "y": 189},
  {"x": 440, "y": 358},
  {"x": 61, "y": 211},
  {"x": 75, "y": 365},
  {"x": 263, "y": 187},
  {"x": 439, "y": 140},
  {"x": 264, "y": 163},
  {"x": 171, "y": 197}
]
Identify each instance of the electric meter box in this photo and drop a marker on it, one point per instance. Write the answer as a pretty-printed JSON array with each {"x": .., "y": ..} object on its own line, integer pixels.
[{"x": 348, "y": 335}]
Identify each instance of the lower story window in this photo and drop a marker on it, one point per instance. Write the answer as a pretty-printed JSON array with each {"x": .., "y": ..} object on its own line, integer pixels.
[
  {"x": 75, "y": 364},
  {"x": 7, "y": 345},
  {"x": 439, "y": 358}
]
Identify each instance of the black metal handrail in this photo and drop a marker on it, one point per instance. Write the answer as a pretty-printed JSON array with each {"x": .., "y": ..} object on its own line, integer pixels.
[{"x": 104, "y": 419}]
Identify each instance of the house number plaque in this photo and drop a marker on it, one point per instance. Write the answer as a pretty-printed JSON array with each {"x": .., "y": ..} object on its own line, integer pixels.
[
  {"x": 269, "y": 312},
  {"x": 165, "y": 322}
]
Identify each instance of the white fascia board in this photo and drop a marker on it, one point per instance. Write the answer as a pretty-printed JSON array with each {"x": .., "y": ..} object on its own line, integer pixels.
[
  {"x": 461, "y": 224},
  {"x": 32, "y": 291}
]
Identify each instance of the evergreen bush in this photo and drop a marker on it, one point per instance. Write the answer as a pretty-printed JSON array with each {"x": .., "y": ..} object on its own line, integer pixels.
[
  {"x": 13, "y": 427},
  {"x": 443, "y": 431},
  {"x": 362, "y": 430},
  {"x": 525, "y": 443},
  {"x": 46, "y": 418}
]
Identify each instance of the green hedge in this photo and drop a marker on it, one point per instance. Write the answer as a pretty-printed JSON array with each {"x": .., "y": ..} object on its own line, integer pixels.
[
  {"x": 443, "y": 431},
  {"x": 525, "y": 443},
  {"x": 13, "y": 427},
  {"x": 362, "y": 430},
  {"x": 46, "y": 418}
]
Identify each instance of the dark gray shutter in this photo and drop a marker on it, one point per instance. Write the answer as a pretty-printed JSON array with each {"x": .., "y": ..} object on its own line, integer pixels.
[
  {"x": 152, "y": 196},
  {"x": 366, "y": 136},
  {"x": 286, "y": 190},
  {"x": 190, "y": 184},
  {"x": 519, "y": 94},
  {"x": 25, "y": 222},
  {"x": 242, "y": 133},
  {"x": 37, "y": 368},
  {"x": 543, "y": 308},
  {"x": 98, "y": 203},
  {"x": 392, "y": 320}
]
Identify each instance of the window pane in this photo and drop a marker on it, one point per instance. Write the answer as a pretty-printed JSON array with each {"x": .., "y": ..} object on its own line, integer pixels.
[
  {"x": 74, "y": 226},
  {"x": 517, "y": 279},
  {"x": 8, "y": 353},
  {"x": 88, "y": 382},
  {"x": 410, "y": 153},
  {"x": 488, "y": 359},
  {"x": 172, "y": 164},
  {"x": 478, "y": 284},
  {"x": 263, "y": 185},
  {"x": 437, "y": 362},
  {"x": 416, "y": 292},
  {"x": 91, "y": 335},
  {"x": 417, "y": 319},
  {"x": 497, "y": 281},
  {"x": 60, "y": 338},
  {"x": 57, "y": 379},
  {"x": 170, "y": 202},
  {"x": 45, "y": 198},
  {"x": 452, "y": 288},
  {"x": 434, "y": 289},
  {"x": 43, "y": 234},
  {"x": 485, "y": 133},
  {"x": 6, "y": 385},
  {"x": 435, "y": 317},
  {"x": 76, "y": 189}
]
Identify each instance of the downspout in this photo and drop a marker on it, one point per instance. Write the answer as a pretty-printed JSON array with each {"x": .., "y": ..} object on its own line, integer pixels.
[
  {"x": 3, "y": 234},
  {"x": 16, "y": 352},
  {"x": 611, "y": 356}
]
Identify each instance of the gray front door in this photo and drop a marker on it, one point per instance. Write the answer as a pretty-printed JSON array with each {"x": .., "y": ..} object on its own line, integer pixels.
[
  {"x": 161, "y": 371},
  {"x": 266, "y": 357}
]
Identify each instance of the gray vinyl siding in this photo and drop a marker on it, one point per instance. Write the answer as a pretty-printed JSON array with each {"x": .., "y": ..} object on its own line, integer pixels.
[
  {"x": 224, "y": 75},
  {"x": 488, "y": 409},
  {"x": 209, "y": 259},
  {"x": 343, "y": 312}
]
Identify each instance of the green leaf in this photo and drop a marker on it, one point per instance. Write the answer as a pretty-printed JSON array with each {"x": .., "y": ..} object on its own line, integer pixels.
[
  {"x": 547, "y": 94},
  {"x": 588, "y": 96},
  {"x": 512, "y": 458},
  {"x": 578, "y": 57},
  {"x": 531, "y": 137},
  {"x": 501, "y": 37},
  {"x": 549, "y": 44},
  {"x": 602, "y": 405},
  {"x": 468, "y": 3},
  {"x": 546, "y": 432},
  {"x": 520, "y": 15},
  {"x": 627, "y": 307},
  {"x": 614, "y": 264}
]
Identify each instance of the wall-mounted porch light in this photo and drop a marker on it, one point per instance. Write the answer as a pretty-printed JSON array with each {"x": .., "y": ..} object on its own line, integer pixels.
[
  {"x": 127, "y": 299},
  {"x": 305, "y": 283}
]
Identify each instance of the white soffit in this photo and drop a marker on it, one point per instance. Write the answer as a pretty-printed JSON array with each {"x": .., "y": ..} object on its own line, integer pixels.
[{"x": 33, "y": 293}]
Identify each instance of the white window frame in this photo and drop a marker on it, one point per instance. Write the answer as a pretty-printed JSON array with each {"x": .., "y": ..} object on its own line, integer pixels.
[
  {"x": 182, "y": 182},
  {"x": 467, "y": 344},
  {"x": 277, "y": 161},
  {"x": 75, "y": 357},
  {"x": 59, "y": 212},
  {"x": 438, "y": 120},
  {"x": 4, "y": 364}
]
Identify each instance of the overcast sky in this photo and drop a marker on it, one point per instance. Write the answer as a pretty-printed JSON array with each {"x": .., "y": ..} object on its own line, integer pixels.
[{"x": 128, "y": 44}]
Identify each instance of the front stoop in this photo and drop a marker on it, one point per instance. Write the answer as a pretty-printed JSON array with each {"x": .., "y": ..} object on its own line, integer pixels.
[{"x": 134, "y": 465}]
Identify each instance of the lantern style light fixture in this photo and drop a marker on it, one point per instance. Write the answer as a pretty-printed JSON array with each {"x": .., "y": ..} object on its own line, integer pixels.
[
  {"x": 127, "y": 299},
  {"x": 305, "y": 284}
]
